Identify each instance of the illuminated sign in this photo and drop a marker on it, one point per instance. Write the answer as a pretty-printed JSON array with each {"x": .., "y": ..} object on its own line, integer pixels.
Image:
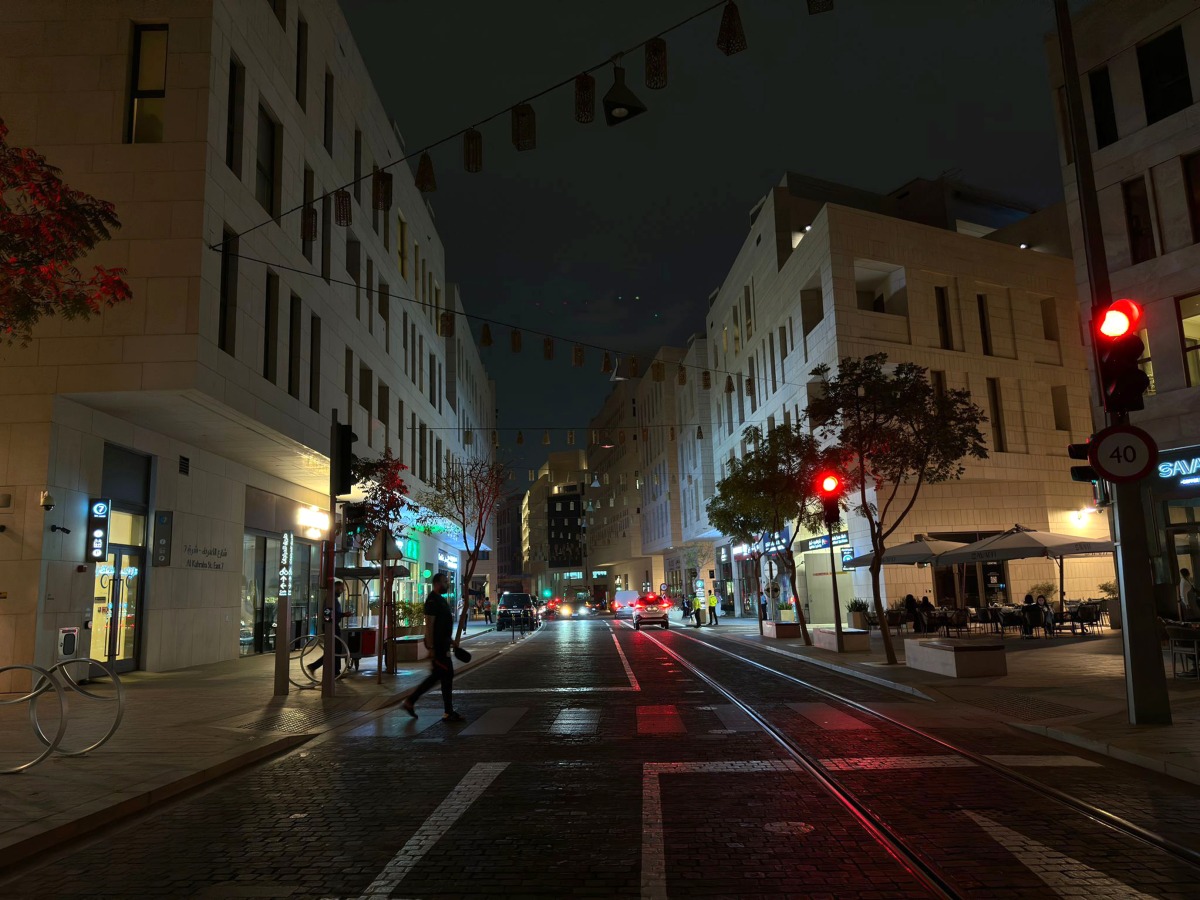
[
  {"x": 1183, "y": 472},
  {"x": 599, "y": 573},
  {"x": 571, "y": 576},
  {"x": 847, "y": 555},
  {"x": 286, "y": 551},
  {"x": 447, "y": 560},
  {"x": 777, "y": 542},
  {"x": 821, "y": 542},
  {"x": 99, "y": 514}
]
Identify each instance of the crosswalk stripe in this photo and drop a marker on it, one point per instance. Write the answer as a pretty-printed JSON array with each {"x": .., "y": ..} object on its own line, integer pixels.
[
  {"x": 576, "y": 721},
  {"x": 734, "y": 718},
  {"x": 395, "y": 724},
  {"x": 830, "y": 719},
  {"x": 659, "y": 720},
  {"x": 498, "y": 720}
]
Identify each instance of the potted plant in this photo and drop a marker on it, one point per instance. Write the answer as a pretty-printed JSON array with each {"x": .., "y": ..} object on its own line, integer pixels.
[
  {"x": 786, "y": 613},
  {"x": 858, "y": 609},
  {"x": 1112, "y": 594}
]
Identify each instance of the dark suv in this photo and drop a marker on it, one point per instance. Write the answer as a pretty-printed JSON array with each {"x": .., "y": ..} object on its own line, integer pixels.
[{"x": 516, "y": 610}]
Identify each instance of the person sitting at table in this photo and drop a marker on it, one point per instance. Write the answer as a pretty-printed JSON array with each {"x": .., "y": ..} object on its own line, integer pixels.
[
  {"x": 1047, "y": 614},
  {"x": 910, "y": 612},
  {"x": 1027, "y": 628},
  {"x": 926, "y": 609}
]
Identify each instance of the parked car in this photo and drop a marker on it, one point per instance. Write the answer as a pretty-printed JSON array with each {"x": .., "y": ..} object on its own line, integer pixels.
[
  {"x": 514, "y": 609},
  {"x": 623, "y": 602},
  {"x": 651, "y": 610}
]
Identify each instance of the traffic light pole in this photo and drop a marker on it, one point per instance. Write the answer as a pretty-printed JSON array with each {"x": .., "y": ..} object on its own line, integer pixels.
[
  {"x": 837, "y": 606},
  {"x": 1145, "y": 676},
  {"x": 328, "y": 676}
]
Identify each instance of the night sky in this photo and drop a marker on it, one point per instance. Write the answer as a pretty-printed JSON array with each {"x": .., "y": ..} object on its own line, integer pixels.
[{"x": 618, "y": 236}]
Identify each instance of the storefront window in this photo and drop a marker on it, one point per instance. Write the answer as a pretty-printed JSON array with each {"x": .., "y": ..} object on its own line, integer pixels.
[
  {"x": 250, "y": 594},
  {"x": 1189, "y": 332}
]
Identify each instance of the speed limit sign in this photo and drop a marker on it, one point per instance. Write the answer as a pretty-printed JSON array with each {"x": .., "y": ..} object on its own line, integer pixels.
[{"x": 1122, "y": 453}]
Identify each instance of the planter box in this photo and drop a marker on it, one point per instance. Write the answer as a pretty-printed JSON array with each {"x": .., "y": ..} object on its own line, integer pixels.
[
  {"x": 787, "y": 615},
  {"x": 853, "y": 640},
  {"x": 782, "y": 630},
  {"x": 956, "y": 658},
  {"x": 859, "y": 620},
  {"x": 405, "y": 649}
]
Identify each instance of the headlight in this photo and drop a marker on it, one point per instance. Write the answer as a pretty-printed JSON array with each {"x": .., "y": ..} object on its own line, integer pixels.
[{"x": 566, "y": 610}]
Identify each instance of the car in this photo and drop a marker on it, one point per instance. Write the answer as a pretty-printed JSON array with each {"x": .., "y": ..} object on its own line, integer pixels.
[
  {"x": 651, "y": 610},
  {"x": 515, "y": 610},
  {"x": 623, "y": 603},
  {"x": 574, "y": 610}
]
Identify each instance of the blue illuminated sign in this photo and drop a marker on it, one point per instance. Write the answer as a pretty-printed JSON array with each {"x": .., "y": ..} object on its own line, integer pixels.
[{"x": 99, "y": 514}]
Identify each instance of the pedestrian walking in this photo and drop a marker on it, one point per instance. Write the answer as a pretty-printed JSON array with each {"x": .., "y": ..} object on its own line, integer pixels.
[
  {"x": 712, "y": 608},
  {"x": 439, "y": 639},
  {"x": 338, "y": 587},
  {"x": 1187, "y": 597},
  {"x": 698, "y": 608}
]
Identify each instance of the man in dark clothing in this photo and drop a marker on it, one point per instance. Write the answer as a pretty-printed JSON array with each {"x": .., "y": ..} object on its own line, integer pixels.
[
  {"x": 439, "y": 639},
  {"x": 338, "y": 587}
]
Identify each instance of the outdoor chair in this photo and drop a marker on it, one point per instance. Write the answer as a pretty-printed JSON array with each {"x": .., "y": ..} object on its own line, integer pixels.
[
  {"x": 960, "y": 620},
  {"x": 895, "y": 619},
  {"x": 1035, "y": 619},
  {"x": 973, "y": 620},
  {"x": 1087, "y": 615},
  {"x": 1102, "y": 609},
  {"x": 1185, "y": 648}
]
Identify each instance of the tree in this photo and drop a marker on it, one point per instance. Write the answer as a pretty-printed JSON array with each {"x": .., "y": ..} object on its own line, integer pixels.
[
  {"x": 696, "y": 558},
  {"x": 45, "y": 227},
  {"x": 384, "y": 509},
  {"x": 466, "y": 495},
  {"x": 772, "y": 488},
  {"x": 891, "y": 430}
]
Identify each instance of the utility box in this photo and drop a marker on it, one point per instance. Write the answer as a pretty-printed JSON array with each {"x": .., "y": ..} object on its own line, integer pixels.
[{"x": 68, "y": 643}]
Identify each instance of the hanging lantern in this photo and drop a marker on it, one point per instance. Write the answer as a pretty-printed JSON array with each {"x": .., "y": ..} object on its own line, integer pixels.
[
  {"x": 749, "y": 387},
  {"x": 425, "y": 181},
  {"x": 308, "y": 223},
  {"x": 495, "y": 439},
  {"x": 656, "y": 63},
  {"x": 658, "y": 370},
  {"x": 341, "y": 208},
  {"x": 548, "y": 348},
  {"x": 731, "y": 38},
  {"x": 520, "y": 438},
  {"x": 672, "y": 434},
  {"x": 682, "y": 377},
  {"x": 515, "y": 340},
  {"x": 472, "y": 150},
  {"x": 524, "y": 127},
  {"x": 705, "y": 378},
  {"x": 699, "y": 436},
  {"x": 570, "y": 438},
  {"x": 577, "y": 356},
  {"x": 606, "y": 367},
  {"x": 468, "y": 438},
  {"x": 381, "y": 189},
  {"x": 446, "y": 324},
  {"x": 546, "y": 437},
  {"x": 485, "y": 335},
  {"x": 729, "y": 388},
  {"x": 585, "y": 99}
]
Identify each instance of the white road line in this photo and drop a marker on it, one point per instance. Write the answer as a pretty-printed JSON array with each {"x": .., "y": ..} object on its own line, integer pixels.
[
  {"x": 654, "y": 860},
  {"x": 1068, "y": 877},
  {"x": 432, "y": 829},
  {"x": 633, "y": 682},
  {"x": 1048, "y": 760},
  {"x": 545, "y": 690}
]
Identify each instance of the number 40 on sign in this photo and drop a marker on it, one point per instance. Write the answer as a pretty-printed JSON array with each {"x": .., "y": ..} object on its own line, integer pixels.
[{"x": 1122, "y": 453}]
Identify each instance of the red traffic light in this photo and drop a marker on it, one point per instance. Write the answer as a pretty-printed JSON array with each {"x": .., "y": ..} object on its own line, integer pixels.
[
  {"x": 830, "y": 484},
  {"x": 1120, "y": 318}
]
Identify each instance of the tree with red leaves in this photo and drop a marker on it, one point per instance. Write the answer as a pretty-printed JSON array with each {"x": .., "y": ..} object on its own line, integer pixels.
[{"x": 45, "y": 226}]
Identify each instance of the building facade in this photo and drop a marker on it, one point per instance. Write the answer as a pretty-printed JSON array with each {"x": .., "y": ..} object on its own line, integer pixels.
[
  {"x": 1139, "y": 70},
  {"x": 658, "y": 421},
  {"x": 199, "y": 410}
]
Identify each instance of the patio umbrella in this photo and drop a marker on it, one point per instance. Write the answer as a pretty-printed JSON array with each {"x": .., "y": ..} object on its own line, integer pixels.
[
  {"x": 920, "y": 549},
  {"x": 1020, "y": 542}
]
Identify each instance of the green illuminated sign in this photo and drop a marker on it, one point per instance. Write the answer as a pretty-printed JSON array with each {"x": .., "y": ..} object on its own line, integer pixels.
[
  {"x": 546, "y": 593},
  {"x": 426, "y": 573}
]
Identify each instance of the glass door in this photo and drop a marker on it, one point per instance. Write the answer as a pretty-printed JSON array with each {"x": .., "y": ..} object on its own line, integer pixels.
[{"x": 116, "y": 607}]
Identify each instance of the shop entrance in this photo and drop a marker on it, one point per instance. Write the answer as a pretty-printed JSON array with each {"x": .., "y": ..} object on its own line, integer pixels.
[
  {"x": 1183, "y": 536},
  {"x": 116, "y": 607}
]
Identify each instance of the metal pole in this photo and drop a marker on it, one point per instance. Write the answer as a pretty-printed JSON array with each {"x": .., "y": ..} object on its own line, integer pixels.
[
  {"x": 837, "y": 610},
  {"x": 1145, "y": 677},
  {"x": 327, "y": 557}
]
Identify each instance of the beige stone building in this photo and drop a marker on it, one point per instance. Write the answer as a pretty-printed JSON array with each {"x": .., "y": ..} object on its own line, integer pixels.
[
  {"x": 554, "y": 545},
  {"x": 200, "y": 409},
  {"x": 659, "y": 423},
  {"x": 1139, "y": 70}
]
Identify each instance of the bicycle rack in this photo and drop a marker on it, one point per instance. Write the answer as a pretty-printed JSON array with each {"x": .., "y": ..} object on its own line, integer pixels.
[
  {"x": 48, "y": 679},
  {"x": 313, "y": 642}
]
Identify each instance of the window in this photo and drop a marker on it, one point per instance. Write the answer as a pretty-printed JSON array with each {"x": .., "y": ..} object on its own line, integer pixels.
[
  {"x": 985, "y": 324},
  {"x": 384, "y": 407},
  {"x": 349, "y": 385},
  {"x": 1189, "y": 336},
  {"x": 1145, "y": 363},
  {"x": 227, "y": 304},
  {"x": 294, "y": 325},
  {"x": 783, "y": 346},
  {"x": 358, "y": 165},
  {"x": 433, "y": 377},
  {"x": 302, "y": 63},
  {"x": 747, "y": 309},
  {"x": 996, "y": 413},
  {"x": 385, "y": 313},
  {"x": 1162, "y": 63},
  {"x": 147, "y": 85},
  {"x": 400, "y": 433},
  {"x": 1104, "y": 114},
  {"x": 314, "y": 364},
  {"x": 329, "y": 112},
  {"x": 366, "y": 385},
  {"x": 945, "y": 339},
  {"x": 326, "y": 236},
  {"x": 279, "y": 7},
  {"x": 270, "y": 358},
  {"x": 937, "y": 380},
  {"x": 402, "y": 246},
  {"x": 1062, "y": 407},
  {"x": 266, "y": 163},
  {"x": 306, "y": 240},
  {"x": 1137, "y": 220},
  {"x": 233, "y": 117},
  {"x": 1064, "y": 125},
  {"x": 1191, "y": 175},
  {"x": 1049, "y": 319}
]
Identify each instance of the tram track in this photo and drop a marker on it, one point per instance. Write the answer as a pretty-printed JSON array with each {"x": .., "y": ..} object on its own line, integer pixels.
[{"x": 927, "y": 871}]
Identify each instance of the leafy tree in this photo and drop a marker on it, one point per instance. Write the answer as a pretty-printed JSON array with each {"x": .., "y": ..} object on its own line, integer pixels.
[
  {"x": 893, "y": 433},
  {"x": 466, "y": 495},
  {"x": 770, "y": 488},
  {"x": 45, "y": 227}
]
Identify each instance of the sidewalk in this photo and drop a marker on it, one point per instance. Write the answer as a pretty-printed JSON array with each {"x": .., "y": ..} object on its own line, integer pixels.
[
  {"x": 181, "y": 729},
  {"x": 1071, "y": 689}
]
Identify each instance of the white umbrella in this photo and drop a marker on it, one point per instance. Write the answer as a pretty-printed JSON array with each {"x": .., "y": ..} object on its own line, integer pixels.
[
  {"x": 919, "y": 550},
  {"x": 1020, "y": 542}
]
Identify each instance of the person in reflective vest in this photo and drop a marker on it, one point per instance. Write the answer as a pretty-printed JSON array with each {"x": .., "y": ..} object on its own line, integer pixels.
[
  {"x": 698, "y": 608},
  {"x": 712, "y": 608}
]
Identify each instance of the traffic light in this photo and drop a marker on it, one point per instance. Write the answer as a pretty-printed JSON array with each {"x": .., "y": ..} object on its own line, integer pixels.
[
  {"x": 341, "y": 458},
  {"x": 1118, "y": 351},
  {"x": 1081, "y": 473},
  {"x": 354, "y": 522},
  {"x": 830, "y": 489}
]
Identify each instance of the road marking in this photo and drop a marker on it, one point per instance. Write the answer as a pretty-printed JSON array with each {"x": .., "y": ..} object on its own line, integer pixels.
[
  {"x": 576, "y": 721},
  {"x": 545, "y": 690},
  {"x": 1049, "y": 761},
  {"x": 825, "y": 716},
  {"x": 395, "y": 724},
  {"x": 499, "y": 720},
  {"x": 432, "y": 829},
  {"x": 659, "y": 720},
  {"x": 945, "y": 761},
  {"x": 734, "y": 718},
  {"x": 654, "y": 851},
  {"x": 633, "y": 682},
  {"x": 1066, "y": 875}
]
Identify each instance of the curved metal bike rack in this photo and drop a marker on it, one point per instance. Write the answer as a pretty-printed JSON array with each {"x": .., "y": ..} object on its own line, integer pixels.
[
  {"x": 43, "y": 685},
  {"x": 39, "y": 688},
  {"x": 312, "y": 642}
]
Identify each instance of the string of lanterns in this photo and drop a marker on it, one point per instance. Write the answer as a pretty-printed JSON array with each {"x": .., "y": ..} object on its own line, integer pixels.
[{"x": 620, "y": 104}]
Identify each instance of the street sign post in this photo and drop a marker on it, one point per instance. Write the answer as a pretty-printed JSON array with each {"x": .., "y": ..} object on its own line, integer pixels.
[{"x": 1123, "y": 453}]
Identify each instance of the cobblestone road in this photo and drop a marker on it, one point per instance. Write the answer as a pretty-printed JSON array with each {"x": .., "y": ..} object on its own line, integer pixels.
[{"x": 594, "y": 763}]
